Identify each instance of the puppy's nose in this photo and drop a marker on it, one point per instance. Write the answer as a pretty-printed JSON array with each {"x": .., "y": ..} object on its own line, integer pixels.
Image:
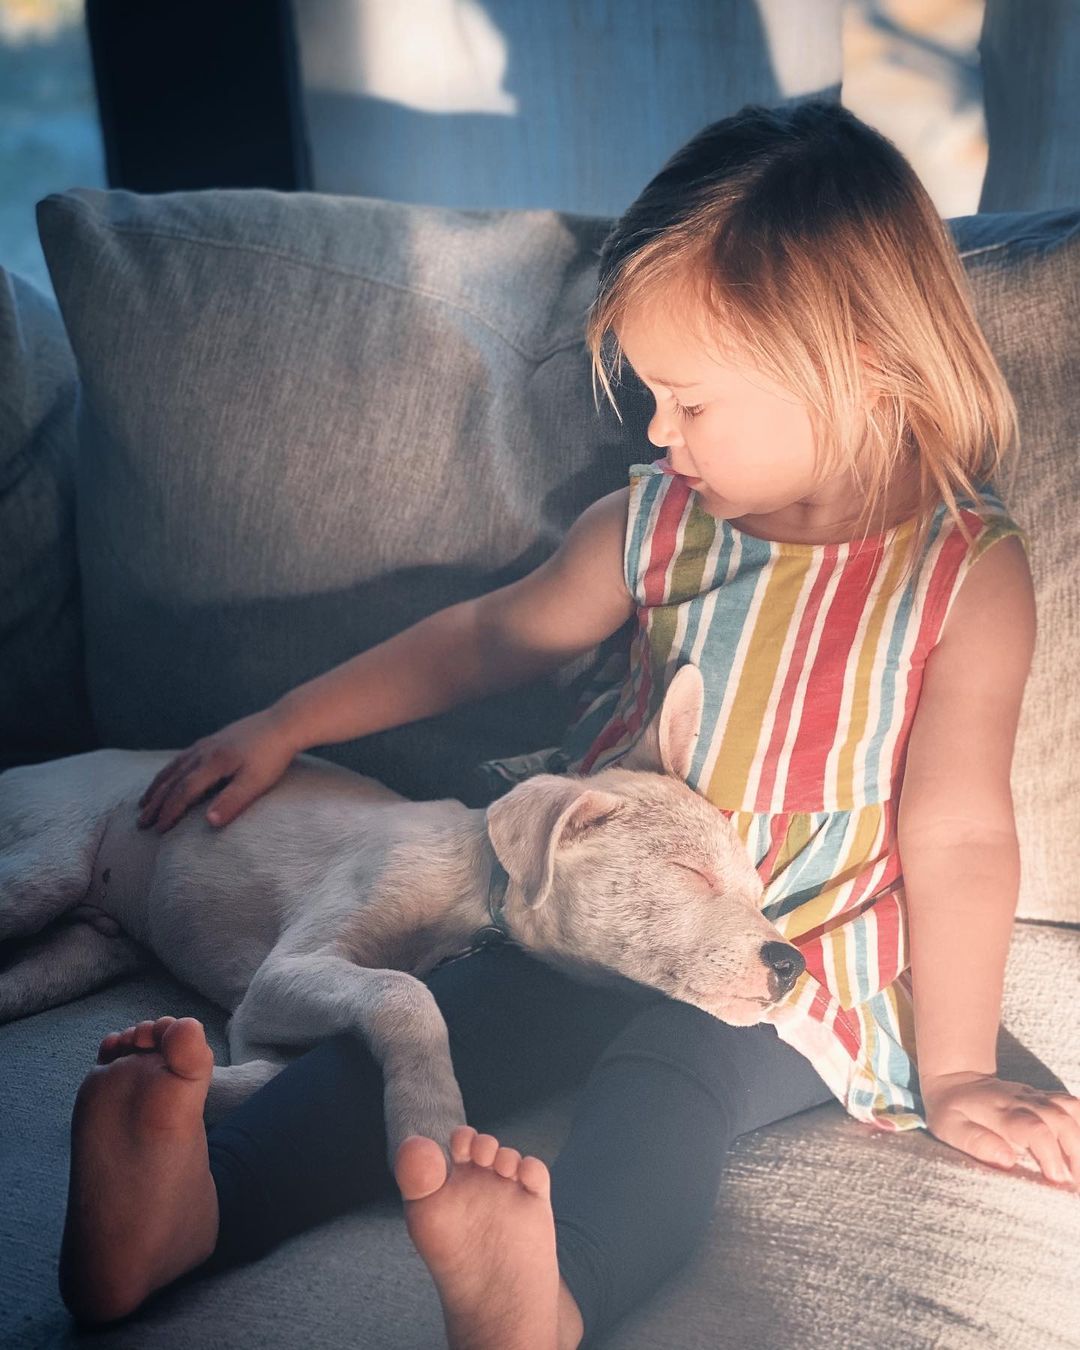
[{"x": 787, "y": 961}]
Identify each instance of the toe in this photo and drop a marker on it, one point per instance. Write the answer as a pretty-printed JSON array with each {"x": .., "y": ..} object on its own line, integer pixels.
[
  {"x": 143, "y": 1036},
  {"x": 484, "y": 1148},
  {"x": 461, "y": 1143},
  {"x": 419, "y": 1167},
  {"x": 507, "y": 1161},
  {"x": 533, "y": 1174},
  {"x": 108, "y": 1047},
  {"x": 183, "y": 1043},
  {"x": 121, "y": 1043}
]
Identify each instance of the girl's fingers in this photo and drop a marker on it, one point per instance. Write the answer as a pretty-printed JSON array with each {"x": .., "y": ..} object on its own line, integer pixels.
[
  {"x": 230, "y": 801},
  {"x": 182, "y": 793},
  {"x": 1033, "y": 1131},
  {"x": 1063, "y": 1147},
  {"x": 988, "y": 1145},
  {"x": 165, "y": 775},
  {"x": 176, "y": 790},
  {"x": 165, "y": 772},
  {"x": 148, "y": 814},
  {"x": 1061, "y": 1116},
  {"x": 177, "y": 771}
]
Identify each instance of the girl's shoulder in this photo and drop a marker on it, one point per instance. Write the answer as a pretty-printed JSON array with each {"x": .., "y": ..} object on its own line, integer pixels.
[
  {"x": 987, "y": 520},
  {"x": 953, "y": 551}
]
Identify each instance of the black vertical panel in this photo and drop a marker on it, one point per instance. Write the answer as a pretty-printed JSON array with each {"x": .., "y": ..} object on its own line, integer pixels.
[{"x": 199, "y": 94}]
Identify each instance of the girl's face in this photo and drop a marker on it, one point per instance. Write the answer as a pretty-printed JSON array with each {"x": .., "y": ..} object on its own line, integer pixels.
[{"x": 744, "y": 442}]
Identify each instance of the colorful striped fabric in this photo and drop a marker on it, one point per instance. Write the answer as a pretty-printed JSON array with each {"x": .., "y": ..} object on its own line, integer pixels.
[{"x": 812, "y": 669}]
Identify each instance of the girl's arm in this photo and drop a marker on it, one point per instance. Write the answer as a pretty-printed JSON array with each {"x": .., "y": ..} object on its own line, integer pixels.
[
  {"x": 960, "y": 923},
  {"x": 957, "y": 833},
  {"x": 961, "y": 861},
  {"x": 507, "y": 637}
]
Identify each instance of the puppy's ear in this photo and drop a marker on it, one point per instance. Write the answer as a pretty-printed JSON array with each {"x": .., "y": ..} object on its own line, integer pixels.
[
  {"x": 538, "y": 817},
  {"x": 667, "y": 743}
]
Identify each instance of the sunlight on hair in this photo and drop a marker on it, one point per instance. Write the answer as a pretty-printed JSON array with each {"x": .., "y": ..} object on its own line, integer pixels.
[{"x": 803, "y": 237}]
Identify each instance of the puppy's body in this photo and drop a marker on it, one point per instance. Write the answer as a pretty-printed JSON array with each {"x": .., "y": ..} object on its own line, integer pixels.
[{"x": 322, "y": 906}]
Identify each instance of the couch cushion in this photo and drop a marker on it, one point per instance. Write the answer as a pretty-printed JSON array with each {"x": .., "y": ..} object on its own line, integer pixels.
[
  {"x": 311, "y": 420},
  {"x": 1024, "y": 270},
  {"x": 44, "y": 709},
  {"x": 855, "y": 1237}
]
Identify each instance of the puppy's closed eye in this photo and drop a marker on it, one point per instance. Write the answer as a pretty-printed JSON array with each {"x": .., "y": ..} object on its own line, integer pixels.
[{"x": 706, "y": 876}]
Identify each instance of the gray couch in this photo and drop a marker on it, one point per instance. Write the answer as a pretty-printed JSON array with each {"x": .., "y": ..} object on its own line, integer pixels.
[{"x": 266, "y": 431}]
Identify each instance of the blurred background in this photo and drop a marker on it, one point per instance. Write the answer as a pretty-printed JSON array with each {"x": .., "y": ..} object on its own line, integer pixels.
[{"x": 570, "y": 104}]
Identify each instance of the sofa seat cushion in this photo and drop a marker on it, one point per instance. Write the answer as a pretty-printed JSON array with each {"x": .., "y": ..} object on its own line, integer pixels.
[{"x": 827, "y": 1233}]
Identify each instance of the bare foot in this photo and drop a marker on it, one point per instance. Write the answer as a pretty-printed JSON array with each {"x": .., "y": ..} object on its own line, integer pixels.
[
  {"x": 142, "y": 1208},
  {"x": 487, "y": 1235}
]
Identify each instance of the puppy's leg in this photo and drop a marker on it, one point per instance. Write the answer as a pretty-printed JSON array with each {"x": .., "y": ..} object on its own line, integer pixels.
[
  {"x": 231, "y": 1084},
  {"x": 68, "y": 961},
  {"x": 303, "y": 998},
  {"x": 242, "y": 1044},
  {"x": 251, "y": 1064},
  {"x": 51, "y": 823},
  {"x": 40, "y": 880}
]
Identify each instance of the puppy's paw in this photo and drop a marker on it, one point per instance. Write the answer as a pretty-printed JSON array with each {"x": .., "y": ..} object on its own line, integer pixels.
[{"x": 433, "y": 1109}]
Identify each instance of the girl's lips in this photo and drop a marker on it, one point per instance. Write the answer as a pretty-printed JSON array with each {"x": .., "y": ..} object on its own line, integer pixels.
[{"x": 665, "y": 467}]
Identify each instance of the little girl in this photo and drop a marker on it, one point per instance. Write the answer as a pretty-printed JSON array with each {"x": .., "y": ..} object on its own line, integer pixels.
[{"x": 786, "y": 291}]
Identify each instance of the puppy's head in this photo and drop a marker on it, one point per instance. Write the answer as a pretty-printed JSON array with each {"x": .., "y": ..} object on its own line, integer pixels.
[{"x": 630, "y": 871}]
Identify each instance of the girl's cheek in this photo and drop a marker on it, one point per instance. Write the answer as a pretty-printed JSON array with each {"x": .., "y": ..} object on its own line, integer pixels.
[{"x": 732, "y": 465}]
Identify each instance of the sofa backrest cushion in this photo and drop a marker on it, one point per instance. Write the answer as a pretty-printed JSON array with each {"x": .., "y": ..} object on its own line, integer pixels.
[
  {"x": 44, "y": 711},
  {"x": 311, "y": 420}
]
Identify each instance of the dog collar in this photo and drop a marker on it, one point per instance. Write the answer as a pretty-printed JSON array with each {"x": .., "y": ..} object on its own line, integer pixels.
[
  {"x": 496, "y": 931},
  {"x": 500, "y": 879}
]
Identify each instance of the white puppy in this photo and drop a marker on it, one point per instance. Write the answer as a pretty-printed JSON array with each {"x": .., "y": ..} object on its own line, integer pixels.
[{"x": 320, "y": 909}]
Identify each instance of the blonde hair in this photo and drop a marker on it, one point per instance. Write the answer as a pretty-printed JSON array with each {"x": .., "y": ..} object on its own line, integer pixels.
[{"x": 802, "y": 238}]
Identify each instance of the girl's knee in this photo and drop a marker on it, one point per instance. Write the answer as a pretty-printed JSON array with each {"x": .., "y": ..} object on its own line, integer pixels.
[
  {"x": 670, "y": 1029},
  {"x": 751, "y": 1076},
  {"x": 678, "y": 1045}
]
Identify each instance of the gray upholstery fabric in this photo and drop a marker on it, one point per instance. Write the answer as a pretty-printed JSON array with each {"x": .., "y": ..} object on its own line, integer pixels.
[
  {"x": 311, "y": 420},
  {"x": 43, "y": 705},
  {"x": 1025, "y": 275},
  {"x": 827, "y": 1233}
]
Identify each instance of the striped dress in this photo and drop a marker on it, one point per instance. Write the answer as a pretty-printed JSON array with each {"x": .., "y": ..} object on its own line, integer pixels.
[{"x": 812, "y": 671}]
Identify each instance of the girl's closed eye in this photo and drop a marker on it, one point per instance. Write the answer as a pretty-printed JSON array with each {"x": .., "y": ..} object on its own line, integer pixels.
[{"x": 687, "y": 412}]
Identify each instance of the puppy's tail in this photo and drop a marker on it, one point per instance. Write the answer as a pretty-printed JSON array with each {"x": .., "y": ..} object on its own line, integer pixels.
[{"x": 61, "y": 963}]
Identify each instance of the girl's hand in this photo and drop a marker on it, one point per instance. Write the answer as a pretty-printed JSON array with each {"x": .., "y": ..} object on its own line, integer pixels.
[
  {"x": 997, "y": 1121},
  {"x": 249, "y": 755}
]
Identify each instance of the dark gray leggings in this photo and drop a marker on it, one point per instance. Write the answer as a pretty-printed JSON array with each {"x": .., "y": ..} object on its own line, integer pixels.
[{"x": 665, "y": 1089}]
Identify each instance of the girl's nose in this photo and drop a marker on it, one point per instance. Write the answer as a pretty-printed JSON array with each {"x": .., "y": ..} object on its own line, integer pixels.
[{"x": 663, "y": 430}]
